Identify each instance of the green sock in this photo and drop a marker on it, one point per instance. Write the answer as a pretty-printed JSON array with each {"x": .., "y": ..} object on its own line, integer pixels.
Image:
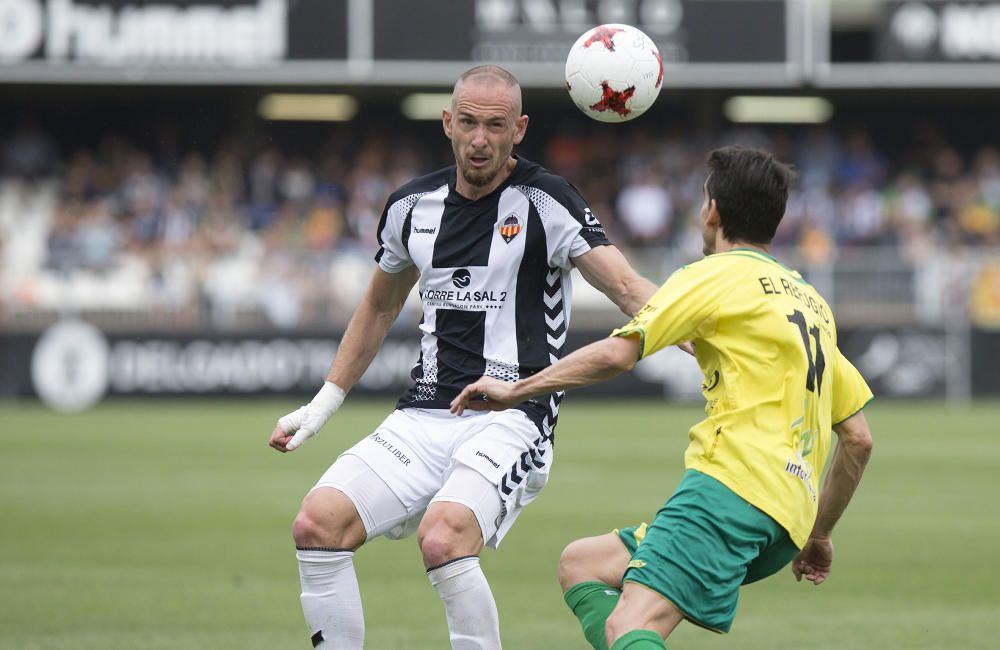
[
  {"x": 639, "y": 640},
  {"x": 592, "y": 603}
]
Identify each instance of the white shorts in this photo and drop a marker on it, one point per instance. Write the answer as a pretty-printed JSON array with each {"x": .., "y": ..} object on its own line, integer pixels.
[{"x": 424, "y": 455}]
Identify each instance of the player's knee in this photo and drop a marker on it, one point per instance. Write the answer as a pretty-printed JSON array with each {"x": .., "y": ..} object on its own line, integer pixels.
[
  {"x": 439, "y": 544},
  {"x": 443, "y": 537},
  {"x": 322, "y": 524},
  {"x": 573, "y": 565},
  {"x": 306, "y": 530}
]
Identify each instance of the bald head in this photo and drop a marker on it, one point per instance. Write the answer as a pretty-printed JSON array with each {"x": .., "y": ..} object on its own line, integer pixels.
[
  {"x": 489, "y": 76},
  {"x": 484, "y": 123}
]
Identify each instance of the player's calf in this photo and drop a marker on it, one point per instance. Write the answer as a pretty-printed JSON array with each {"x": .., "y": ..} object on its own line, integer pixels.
[
  {"x": 327, "y": 530},
  {"x": 451, "y": 536},
  {"x": 450, "y": 540}
]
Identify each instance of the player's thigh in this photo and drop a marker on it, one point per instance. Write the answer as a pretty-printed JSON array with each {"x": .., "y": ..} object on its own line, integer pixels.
[
  {"x": 376, "y": 507},
  {"x": 467, "y": 508},
  {"x": 602, "y": 559},
  {"x": 396, "y": 470},
  {"x": 507, "y": 450},
  {"x": 697, "y": 549}
]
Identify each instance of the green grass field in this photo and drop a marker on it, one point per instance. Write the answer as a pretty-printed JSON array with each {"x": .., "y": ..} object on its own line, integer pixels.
[{"x": 162, "y": 525}]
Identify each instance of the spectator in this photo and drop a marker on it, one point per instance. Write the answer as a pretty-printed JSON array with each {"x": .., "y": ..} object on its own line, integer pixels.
[
  {"x": 645, "y": 209},
  {"x": 200, "y": 220}
]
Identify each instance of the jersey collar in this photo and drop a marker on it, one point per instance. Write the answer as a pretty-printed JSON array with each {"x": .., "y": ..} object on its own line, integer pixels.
[
  {"x": 514, "y": 176},
  {"x": 756, "y": 252},
  {"x": 769, "y": 258}
]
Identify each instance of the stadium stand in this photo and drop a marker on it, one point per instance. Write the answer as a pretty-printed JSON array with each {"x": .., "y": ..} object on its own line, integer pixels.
[{"x": 215, "y": 235}]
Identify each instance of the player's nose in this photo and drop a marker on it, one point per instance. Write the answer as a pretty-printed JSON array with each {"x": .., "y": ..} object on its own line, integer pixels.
[{"x": 479, "y": 139}]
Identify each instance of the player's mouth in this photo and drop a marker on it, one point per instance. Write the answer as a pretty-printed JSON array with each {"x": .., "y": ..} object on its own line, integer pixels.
[{"x": 479, "y": 161}]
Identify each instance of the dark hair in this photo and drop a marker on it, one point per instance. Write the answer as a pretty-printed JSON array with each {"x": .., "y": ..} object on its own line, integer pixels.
[{"x": 750, "y": 189}]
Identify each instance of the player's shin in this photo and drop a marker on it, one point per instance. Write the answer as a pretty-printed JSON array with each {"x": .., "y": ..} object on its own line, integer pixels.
[
  {"x": 473, "y": 623},
  {"x": 592, "y": 602},
  {"x": 331, "y": 601}
]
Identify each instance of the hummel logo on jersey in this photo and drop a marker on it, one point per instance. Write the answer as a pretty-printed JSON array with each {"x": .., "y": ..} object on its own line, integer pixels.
[
  {"x": 425, "y": 231},
  {"x": 461, "y": 278},
  {"x": 491, "y": 461},
  {"x": 510, "y": 227}
]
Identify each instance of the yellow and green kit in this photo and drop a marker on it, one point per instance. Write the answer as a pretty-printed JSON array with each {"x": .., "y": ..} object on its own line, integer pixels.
[{"x": 775, "y": 383}]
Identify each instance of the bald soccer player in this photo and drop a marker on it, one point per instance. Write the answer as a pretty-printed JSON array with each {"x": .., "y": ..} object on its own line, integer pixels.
[{"x": 491, "y": 241}]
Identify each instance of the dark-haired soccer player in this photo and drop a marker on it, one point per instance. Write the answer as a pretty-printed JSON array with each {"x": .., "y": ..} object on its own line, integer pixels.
[
  {"x": 775, "y": 385},
  {"x": 491, "y": 240}
]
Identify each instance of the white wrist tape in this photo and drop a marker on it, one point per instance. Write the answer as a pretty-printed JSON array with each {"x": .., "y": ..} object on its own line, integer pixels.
[
  {"x": 307, "y": 420},
  {"x": 329, "y": 398}
]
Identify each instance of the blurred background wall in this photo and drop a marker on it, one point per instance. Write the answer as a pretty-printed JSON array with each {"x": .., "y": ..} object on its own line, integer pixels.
[{"x": 189, "y": 191}]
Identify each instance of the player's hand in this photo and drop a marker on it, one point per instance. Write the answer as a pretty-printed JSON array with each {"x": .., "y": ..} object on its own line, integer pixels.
[
  {"x": 486, "y": 394},
  {"x": 303, "y": 423},
  {"x": 687, "y": 346},
  {"x": 815, "y": 560}
]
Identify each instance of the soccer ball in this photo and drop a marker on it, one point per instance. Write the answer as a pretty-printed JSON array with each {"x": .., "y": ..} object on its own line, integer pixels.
[{"x": 614, "y": 73}]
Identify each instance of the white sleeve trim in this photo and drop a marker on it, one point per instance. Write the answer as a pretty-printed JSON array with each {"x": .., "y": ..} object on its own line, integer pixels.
[
  {"x": 562, "y": 232},
  {"x": 395, "y": 257}
]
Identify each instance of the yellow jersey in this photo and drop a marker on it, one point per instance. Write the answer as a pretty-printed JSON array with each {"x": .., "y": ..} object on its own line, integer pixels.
[{"x": 775, "y": 382}]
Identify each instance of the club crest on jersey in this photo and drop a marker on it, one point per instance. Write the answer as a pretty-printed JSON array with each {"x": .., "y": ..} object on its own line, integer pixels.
[{"x": 510, "y": 227}]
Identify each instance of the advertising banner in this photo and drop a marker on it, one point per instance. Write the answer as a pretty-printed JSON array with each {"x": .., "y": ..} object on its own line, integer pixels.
[
  {"x": 73, "y": 365},
  {"x": 899, "y": 362},
  {"x": 381, "y": 42},
  {"x": 542, "y": 31},
  {"x": 193, "y": 33},
  {"x": 940, "y": 31}
]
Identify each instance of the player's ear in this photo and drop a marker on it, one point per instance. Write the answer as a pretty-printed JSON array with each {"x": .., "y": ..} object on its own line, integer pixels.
[
  {"x": 520, "y": 126},
  {"x": 714, "y": 218},
  {"x": 446, "y": 122}
]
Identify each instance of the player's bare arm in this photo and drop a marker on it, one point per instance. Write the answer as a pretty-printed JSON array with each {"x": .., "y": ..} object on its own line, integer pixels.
[
  {"x": 369, "y": 325},
  {"x": 854, "y": 448},
  {"x": 594, "y": 363},
  {"x": 607, "y": 270}
]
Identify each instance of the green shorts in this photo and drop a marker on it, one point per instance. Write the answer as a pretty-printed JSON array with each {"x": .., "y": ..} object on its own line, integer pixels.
[{"x": 703, "y": 544}]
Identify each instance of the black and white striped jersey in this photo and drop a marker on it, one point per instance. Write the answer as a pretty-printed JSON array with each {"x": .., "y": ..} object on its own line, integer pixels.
[{"x": 494, "y": 278}]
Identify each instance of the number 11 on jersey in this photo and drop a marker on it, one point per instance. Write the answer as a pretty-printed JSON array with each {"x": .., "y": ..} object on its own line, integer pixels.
[{"x": 814, "y": 380}]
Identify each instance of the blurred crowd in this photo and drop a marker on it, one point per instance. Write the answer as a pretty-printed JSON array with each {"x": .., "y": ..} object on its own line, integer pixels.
[
  {"x": 849, "y": 193},
  {"x": 248, "y": 226}
]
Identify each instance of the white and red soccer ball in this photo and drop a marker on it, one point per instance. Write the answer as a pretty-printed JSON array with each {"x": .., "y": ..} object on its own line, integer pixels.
[{"x": 614, "y": 73}]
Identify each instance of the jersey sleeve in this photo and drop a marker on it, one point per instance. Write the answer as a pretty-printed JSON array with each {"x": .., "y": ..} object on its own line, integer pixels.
[
  {"x": 681, "y": 310},
  {"x": 392, "y": 255},
  {"x": 571, "y": 228},
  {"x": 850, "y": 391}
]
